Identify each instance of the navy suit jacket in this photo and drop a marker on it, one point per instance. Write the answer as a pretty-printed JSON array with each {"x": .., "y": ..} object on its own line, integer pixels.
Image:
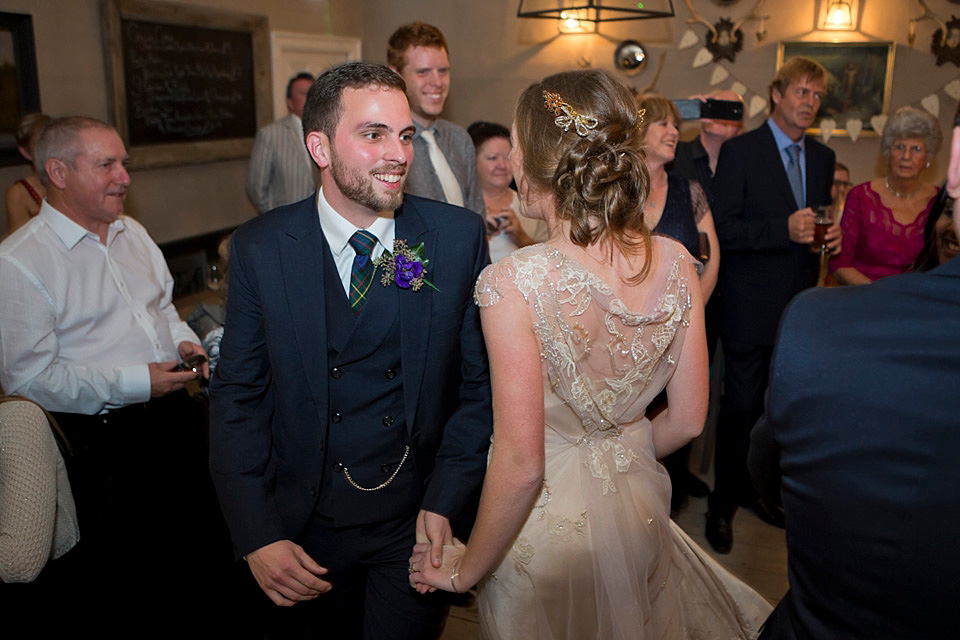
[
  {"x": 762, "y": 269},
  {"x": 269, "y": 396},
  {"x": 863, "y": 423}
]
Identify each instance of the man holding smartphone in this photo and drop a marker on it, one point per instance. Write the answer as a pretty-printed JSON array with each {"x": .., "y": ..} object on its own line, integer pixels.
[
  {"x": 88, "y": 331},
  {"x": 697, "y": 159}
]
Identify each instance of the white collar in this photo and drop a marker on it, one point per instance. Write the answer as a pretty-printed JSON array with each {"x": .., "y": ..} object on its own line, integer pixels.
[{"x": 338, "y": 230}]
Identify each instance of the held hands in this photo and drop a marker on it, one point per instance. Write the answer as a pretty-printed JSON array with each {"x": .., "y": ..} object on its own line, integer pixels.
[
  {"x": 425, "y": 577},
  {"x": 433, "y": 535},
  {"x": 435, "y": 530},
  {"x": 286, "y": 573}
]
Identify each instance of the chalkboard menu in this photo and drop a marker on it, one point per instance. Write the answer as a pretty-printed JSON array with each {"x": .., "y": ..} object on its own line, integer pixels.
[{"x": 186, "y": 83}]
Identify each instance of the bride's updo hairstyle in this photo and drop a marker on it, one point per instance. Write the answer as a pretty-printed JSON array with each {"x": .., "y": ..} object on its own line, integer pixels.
[{"x": 580, "y": 140}]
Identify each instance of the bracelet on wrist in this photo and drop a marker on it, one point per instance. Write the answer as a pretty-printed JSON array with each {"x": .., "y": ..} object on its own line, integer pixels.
[{"x": 454, "y": 573}]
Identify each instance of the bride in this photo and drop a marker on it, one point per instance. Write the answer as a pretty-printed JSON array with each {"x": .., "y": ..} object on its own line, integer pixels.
[{"x": 573, "y": 538}]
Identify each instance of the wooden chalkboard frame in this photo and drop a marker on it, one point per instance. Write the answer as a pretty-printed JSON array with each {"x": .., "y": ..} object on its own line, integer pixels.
[
  {"x": 187, "y": 152},
  {"x": 26, "y": 96}
]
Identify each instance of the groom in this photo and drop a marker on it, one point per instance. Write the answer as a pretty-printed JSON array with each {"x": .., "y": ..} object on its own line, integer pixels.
[{"x": 350, "y": 411}]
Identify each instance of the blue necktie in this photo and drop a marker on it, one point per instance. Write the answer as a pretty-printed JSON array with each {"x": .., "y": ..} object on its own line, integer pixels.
[{"x": 794, "y": 174}]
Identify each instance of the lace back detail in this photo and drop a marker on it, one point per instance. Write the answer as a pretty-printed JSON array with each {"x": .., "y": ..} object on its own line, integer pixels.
[{"x": 604, "y": 360}]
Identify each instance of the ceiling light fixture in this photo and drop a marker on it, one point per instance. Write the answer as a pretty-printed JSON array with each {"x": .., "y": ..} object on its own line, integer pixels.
[{"x": 593, "y": 10}]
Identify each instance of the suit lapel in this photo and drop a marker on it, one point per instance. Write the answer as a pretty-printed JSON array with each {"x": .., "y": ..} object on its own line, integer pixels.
[
  {"x": 301, "y": 261},
  {"x": 774, "y": 159},
  {"x": 415, "y": 307},
  {"x": 816, "y": 174}
]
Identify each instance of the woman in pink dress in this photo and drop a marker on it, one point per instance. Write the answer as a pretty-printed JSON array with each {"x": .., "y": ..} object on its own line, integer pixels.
[{"x": 883, "y": 219}]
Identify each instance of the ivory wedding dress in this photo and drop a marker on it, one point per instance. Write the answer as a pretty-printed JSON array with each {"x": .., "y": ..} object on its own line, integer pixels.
[{"x": 598, "y": 556}]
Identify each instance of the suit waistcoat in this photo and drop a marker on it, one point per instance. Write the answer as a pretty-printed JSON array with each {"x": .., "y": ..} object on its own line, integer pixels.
[{"x": 368, "y": 434}]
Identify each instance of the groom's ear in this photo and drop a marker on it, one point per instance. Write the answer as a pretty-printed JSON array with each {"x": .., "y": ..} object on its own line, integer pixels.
[{"x": 318, "y": 146}]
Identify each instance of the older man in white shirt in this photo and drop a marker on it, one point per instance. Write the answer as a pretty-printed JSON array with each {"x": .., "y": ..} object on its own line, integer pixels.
[{"x": 88, "y": 330}]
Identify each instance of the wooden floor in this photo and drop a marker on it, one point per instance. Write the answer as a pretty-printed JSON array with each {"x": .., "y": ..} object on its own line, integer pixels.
[{"x": 759, "y": 557}]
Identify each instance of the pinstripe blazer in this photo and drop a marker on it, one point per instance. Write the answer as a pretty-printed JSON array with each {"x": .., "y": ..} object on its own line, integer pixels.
[{"x": 281, "y": 172}]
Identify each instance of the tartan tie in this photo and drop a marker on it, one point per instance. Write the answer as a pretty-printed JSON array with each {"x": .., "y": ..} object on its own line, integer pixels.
[{"x": 361, "y": 275}]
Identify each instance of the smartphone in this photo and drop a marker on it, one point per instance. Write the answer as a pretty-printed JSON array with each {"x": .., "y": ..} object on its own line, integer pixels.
[
  {"x": 713, "y": 109},
  {"x": 496, "y": 224},
  {"x": 193, "y": 363},
  {"x": 704, "y": 247}
]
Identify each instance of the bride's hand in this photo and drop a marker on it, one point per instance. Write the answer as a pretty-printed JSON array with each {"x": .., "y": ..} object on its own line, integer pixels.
[{"x": 426, "y": 578}]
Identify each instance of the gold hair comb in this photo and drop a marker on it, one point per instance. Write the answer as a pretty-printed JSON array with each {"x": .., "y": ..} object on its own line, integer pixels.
[
  {"x": 640, "y": 114},
  {"x": 567, "y": 115}
]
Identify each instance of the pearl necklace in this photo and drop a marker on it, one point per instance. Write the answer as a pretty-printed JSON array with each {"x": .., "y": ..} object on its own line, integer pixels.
[{"x": 904, "y": 196}]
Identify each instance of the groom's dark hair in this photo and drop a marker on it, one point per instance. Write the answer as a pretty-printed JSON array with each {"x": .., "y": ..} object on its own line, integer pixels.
[{"x": 324, "y": 104}]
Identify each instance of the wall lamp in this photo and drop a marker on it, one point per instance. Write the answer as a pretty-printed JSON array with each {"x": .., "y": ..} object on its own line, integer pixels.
[{"x": 839, "y": 15}]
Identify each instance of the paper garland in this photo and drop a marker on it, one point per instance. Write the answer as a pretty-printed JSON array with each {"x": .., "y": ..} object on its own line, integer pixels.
[
  {"x": 952, "y": 89},
  {"x": 719, "y": 75},
  {"x": 757, "y": 105},
  {"x": 688, "y": 39},
  {"x": 827, "y": 127},
  {"x": 854, "y": 128},
  {"x": 878, "y": 123},
  {"x": 932, "y": 104}
]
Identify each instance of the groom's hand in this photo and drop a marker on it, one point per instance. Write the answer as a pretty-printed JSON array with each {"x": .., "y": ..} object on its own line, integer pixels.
[
  {"x": 435, "y": 529},
  {"x": 286, "y": 573}
]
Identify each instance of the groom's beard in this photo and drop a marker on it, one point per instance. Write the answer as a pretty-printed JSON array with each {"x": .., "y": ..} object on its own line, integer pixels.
[{"x": 361, "y": 187}]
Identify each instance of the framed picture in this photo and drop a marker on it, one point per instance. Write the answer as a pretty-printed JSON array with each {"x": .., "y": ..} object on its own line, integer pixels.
[
  {"x": 187, "y": 84},
  {"x": 859, "y": 76},
  {"x": 19, "y": 87}
]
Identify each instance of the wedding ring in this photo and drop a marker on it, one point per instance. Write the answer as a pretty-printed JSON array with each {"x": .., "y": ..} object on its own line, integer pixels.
[{"x": 410, "y": 569}]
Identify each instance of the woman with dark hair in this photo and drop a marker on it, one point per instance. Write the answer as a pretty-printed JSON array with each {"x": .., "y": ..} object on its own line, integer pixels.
[
  {"x": 939, "y": 235},
  {"x": 506, "y": 230},
  {"x": 573, "y": 537},
  {"x": 883, "y": 219}
]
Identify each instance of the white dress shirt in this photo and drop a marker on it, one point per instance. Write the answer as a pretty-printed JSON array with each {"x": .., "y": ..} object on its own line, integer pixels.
[
  {"x": 337, "y": 230},
  {"x": 79, "y": 319}
]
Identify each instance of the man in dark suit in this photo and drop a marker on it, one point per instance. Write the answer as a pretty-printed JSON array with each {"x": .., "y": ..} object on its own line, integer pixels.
[
  {"x": 862, "y": 422},
  {"x": 350, "y": 411},
  {"x": 767, "y": 184}
]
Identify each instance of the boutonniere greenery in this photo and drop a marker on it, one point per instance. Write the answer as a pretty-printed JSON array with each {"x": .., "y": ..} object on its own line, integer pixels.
[{"x": 404, "y": 266}]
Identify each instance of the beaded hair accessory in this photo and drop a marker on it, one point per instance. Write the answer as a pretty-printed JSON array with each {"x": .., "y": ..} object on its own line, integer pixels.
[
  {"x": 640, "y": 114},
  {"x": 567, "y": 115}
]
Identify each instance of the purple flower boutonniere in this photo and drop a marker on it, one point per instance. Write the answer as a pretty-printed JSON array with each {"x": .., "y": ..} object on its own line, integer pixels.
[{"x": 405, "y": 267}]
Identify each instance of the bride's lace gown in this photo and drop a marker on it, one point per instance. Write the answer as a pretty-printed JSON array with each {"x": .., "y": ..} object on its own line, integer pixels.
[{"x": 598, "y": 556}]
